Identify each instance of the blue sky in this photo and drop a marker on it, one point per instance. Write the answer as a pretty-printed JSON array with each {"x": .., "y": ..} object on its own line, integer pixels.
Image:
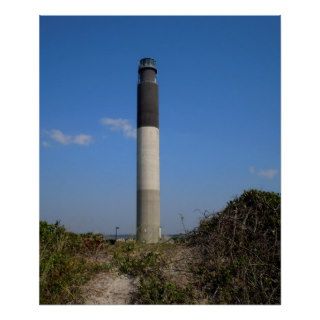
[{"x": 219, "y": 87}]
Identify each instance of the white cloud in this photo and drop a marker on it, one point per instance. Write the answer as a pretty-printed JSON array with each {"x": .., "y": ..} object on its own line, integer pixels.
[
  {"x": 122, "y": 125},
  {"x": 46, "y": 144},
  {"x": 82, "y": 139},
  {"x": 268, "y": 173},
  {"x": 60, "y": 137},
  {"x": 265, "y": 173}
]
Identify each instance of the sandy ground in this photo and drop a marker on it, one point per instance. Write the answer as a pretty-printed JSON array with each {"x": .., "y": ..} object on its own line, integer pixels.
[
  {"x": 113, "y": 288},
  {"x": 109, "y": 288}
]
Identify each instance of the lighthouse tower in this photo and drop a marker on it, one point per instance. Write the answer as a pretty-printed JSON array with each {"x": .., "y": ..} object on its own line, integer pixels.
[{"x": 148, "y": 160}]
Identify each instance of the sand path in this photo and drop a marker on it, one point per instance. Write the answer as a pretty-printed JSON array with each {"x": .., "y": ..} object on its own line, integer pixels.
[{"x": 109, "y": 288}]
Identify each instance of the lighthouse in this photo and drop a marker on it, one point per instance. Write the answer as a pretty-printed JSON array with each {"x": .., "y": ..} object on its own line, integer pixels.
[{"x": 148, "y": 157}]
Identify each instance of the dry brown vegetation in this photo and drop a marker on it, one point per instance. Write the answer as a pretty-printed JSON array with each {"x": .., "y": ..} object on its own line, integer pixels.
[{"x": 240, "y": 251}]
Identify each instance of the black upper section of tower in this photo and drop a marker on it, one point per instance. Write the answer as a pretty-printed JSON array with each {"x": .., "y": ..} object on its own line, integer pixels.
[{"x": 148, "y": 108}]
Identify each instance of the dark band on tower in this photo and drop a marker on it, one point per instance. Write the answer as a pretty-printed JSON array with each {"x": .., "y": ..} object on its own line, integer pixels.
[{"x": 148, "y": 107}]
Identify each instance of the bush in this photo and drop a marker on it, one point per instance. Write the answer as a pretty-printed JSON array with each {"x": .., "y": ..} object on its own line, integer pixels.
[
  {"x": 146, "y": 262},
  {"x": 240, "y": 251},
  {"x": 155, "y": 289},
  {"x": 134, "y": 259}
]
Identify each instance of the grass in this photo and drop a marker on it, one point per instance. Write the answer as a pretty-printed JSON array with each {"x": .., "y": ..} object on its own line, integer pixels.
[{"x": 63, "y": 264}]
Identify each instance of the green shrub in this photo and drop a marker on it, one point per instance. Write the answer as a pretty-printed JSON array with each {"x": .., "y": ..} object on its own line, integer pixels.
[
  {"x": 139, "y": 263},
  {"x": 155, "y": 289},
  {"x": 147, "y": 262}
]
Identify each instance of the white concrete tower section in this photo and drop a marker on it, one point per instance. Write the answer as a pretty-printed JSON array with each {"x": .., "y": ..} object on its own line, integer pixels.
[{"x": 148, "y": 163}]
